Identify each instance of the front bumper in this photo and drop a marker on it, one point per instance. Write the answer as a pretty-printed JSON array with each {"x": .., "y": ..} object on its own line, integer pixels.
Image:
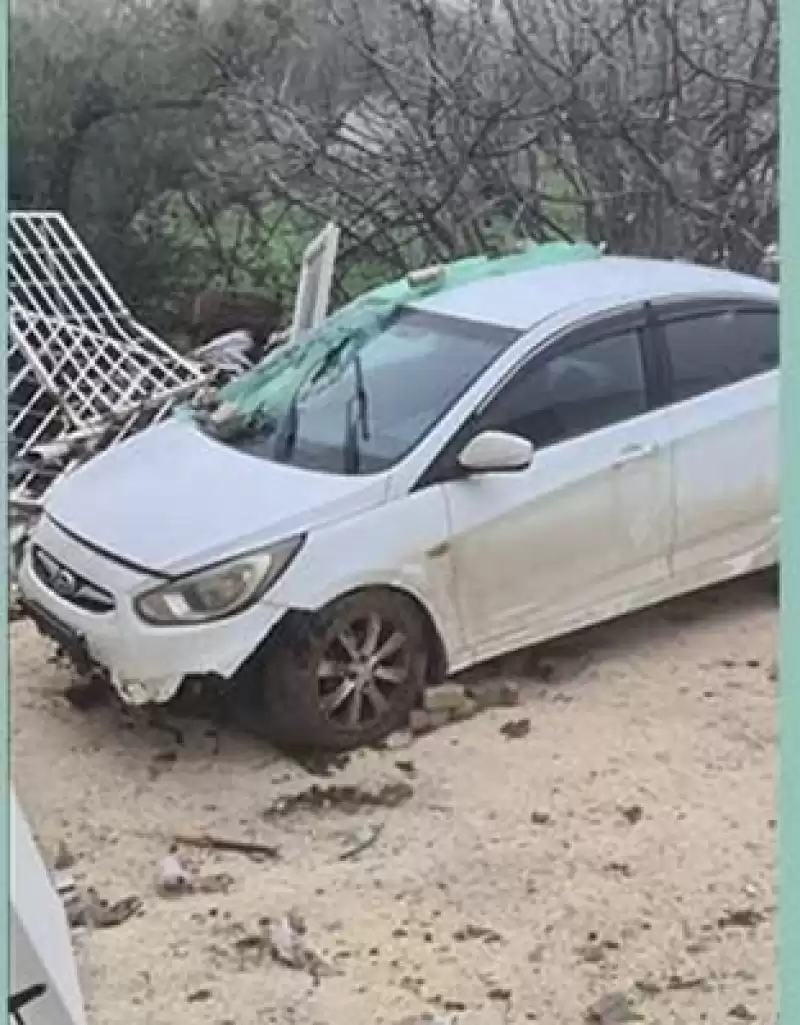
[{"x": 145, "y": 664}]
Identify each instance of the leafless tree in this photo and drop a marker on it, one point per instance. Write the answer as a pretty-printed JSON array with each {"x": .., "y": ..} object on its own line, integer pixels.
[{"x": 227, "y": 133}]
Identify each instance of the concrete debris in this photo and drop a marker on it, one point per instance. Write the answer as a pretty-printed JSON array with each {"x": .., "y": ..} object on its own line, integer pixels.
[
  {"x": 516, "y": 729},
  {"x": 447, "y": 697},
  {"x": 349, "y": 798},
  {"x": 741, "y": 918},
  {"x": 287, "y": 946},
  {"x": 741, "y": 1012},
  {"x": 421, "y": 721},
  {"x": 612, "y": 1009},
  {"x": 64, "y": 858},
  {"x": 363, "y": 842},
  {"x": 173, "y": 877},
  {"x": 86, "y": 909},
  {"x": 494, "y": 693},
  {"x": 632, "y": 814}
]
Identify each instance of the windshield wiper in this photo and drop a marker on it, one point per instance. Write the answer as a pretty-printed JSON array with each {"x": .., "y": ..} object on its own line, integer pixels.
[
  {"x": 352, "y": 447},
  {"x": 287, "y": 433}
]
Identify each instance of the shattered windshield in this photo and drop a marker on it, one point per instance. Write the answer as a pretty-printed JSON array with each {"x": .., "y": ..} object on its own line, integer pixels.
[{"x": 360, "y": 392}]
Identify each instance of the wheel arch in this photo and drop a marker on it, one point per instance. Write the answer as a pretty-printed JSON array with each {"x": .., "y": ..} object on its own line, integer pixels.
[{"x": 296, "y": 620}]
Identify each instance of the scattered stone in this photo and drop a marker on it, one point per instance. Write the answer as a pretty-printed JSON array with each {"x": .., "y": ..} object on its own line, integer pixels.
[
  {"x": 421, "y": 721},
  {"x": 477, "y": 932},
  {"x": 73, "y": 900},
  {"x": 621, "y": 868},
  {"x": 220, "y": 882},
  {"x": 743, "y": 918},
  {"x": 516, "y": 729},
  {"x": 541, "y": 818},
  {"x": 612, "y": 1009},
  {"x": 633, "y": 813},
  {"x": 494, "y": 693},
  {"x": 399, "y": 741},
  {"x": 467, "y": 710},
  {"x": 366, "y": 839},
  {"x": 287, "y": 946},
  {"x": 173, "y": 877},
  {"x": 102, "y": 915},
  {"x": 199, "y": 996},
  {"x": 741, "y": 1012},
  {"x": 446, "y": 697},
  {"x": 348, "y": 798},
  {"x": 407, "y": 766},
  {"x": 87, "y": 909},
  {"x": 64, "y": 858},
  {"x": 592, "y": 953},
  {"x": 679, "y": 982}
]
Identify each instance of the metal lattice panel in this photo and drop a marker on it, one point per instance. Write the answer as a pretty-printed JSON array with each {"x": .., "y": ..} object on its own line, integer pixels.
[{"x": 77, "y": 358}]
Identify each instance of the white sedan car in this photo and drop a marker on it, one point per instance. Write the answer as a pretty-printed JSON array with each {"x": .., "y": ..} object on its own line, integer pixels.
[{"x": 452, "y": 468}]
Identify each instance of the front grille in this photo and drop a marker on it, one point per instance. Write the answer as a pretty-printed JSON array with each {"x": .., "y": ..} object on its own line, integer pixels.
[{"x": 69, "y": 585}]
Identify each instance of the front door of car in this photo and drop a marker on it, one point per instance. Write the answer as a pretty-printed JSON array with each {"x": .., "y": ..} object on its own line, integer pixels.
[{"x": 583, "y": 533}]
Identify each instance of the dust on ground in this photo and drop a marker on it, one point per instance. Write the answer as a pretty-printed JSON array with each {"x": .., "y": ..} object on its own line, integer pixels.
[{"x": 622, "y": 844}]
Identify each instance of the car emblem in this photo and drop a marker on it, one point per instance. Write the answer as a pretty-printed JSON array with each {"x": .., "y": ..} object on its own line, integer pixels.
[{"x": 64, "y": 583}]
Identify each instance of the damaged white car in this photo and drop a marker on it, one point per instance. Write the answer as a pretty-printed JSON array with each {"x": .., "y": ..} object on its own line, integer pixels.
[{"x": 466, "y": 463}]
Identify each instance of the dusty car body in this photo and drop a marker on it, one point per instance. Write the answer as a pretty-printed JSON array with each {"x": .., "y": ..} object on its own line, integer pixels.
[{"x": 458, "y": 466}]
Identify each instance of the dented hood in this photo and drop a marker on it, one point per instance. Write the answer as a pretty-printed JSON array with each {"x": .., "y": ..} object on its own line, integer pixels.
[{"x": 171, "y": 500}]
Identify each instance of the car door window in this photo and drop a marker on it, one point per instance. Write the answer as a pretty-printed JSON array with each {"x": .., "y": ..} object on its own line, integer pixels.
[
  {"x": 600, "y": 383},
  {"x": 716, "y": 350}
]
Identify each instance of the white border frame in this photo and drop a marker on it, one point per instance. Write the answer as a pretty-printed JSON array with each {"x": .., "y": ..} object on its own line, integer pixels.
[{"x": 323, "y": 248}]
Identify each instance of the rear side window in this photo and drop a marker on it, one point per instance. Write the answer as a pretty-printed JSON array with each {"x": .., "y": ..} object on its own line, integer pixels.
[{"x": 716, "y": 350}]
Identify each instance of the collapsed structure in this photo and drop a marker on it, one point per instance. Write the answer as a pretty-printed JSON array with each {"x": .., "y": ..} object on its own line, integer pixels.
[{"x": 79, "y": 364}]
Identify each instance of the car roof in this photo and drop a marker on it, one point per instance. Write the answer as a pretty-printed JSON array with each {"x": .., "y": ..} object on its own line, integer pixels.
[{"x": 525, "y": 298}]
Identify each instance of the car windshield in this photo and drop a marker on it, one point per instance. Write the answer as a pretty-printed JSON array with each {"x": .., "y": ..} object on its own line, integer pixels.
[{"x": 359, "y": 393}]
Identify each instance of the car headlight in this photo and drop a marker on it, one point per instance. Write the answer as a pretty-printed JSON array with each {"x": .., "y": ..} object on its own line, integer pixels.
[{"x": 219, "y": 591}]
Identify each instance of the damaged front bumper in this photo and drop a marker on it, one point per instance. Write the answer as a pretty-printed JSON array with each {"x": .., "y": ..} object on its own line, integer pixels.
[{"x": 144, "y": 664}]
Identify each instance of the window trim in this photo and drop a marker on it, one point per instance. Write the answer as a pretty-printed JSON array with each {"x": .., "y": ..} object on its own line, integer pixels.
[
  {"x": 444, "y": 468},
  {"x": 696, "y": 309}
]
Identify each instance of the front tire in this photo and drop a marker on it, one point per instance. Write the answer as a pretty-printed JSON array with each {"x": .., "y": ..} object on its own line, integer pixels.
[{"x": 347, "y": 678}]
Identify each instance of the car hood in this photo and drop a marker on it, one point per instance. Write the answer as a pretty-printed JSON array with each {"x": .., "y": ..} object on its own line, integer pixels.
[{"x": 171, "y": 500}]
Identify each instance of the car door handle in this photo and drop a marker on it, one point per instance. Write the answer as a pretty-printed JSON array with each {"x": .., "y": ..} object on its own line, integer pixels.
[{"x": 633, "y": 453}]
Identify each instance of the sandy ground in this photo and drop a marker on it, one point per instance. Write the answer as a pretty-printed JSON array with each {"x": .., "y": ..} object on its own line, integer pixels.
[{"x": 520, "y": 881}]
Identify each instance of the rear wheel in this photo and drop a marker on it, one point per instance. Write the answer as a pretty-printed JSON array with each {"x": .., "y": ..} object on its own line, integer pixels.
[{"x": 349, "y": 677}]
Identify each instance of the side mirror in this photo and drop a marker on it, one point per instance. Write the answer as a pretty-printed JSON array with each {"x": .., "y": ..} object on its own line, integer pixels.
[{"x": 496, "y": 452}]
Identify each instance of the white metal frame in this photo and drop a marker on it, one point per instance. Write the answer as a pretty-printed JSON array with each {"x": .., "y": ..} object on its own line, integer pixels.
[
  {"x": 77, "y": 357},
  {"x": 316, "y": 280}
]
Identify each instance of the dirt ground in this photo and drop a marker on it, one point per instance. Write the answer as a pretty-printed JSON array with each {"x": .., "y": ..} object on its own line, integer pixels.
[{"x": 625, "y": 843}]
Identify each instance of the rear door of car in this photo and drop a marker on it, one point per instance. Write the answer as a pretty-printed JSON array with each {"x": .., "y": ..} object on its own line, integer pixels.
[{"x": 720, "y": 363}]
